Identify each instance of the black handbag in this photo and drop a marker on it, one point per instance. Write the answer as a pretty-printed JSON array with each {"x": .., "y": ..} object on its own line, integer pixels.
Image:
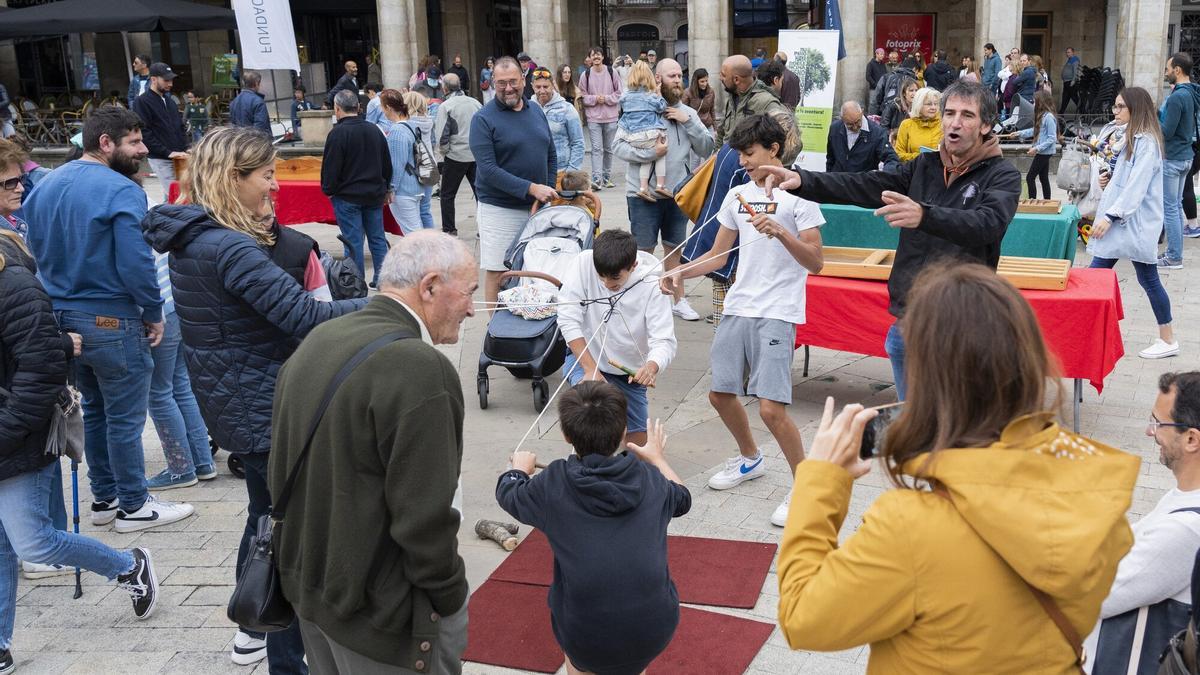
[{"x": 257, "y": 603}]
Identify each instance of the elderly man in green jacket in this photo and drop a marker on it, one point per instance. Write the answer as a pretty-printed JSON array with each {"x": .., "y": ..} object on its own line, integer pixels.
[
  {"x": 746, "y": 96},
  {"x": 368, "y": 550}
]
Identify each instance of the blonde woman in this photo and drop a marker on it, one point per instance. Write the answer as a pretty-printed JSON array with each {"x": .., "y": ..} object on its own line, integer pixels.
[
  {"x": 421, "y": 121},
  {"x": 922, "y": 131},
  {"x": 242, "y": 316}
]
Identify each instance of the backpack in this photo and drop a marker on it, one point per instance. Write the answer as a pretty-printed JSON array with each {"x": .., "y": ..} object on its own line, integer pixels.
[
  {"x": 423, "y": 165},
  {"x": 1182, "y": 653},
  {"x": 587, "y": 79}
]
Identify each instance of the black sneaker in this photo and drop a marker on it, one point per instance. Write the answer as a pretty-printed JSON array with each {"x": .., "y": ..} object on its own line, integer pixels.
[
  {"x": 7, "y": 665},
  {"x": 141, "y": 583}
]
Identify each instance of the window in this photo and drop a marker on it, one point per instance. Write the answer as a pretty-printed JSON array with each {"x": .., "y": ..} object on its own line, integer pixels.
[{"x": 758, "y": 18}]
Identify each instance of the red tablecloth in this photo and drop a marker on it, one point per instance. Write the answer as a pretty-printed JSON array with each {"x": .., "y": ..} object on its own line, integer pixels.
[
  {"x": 301, "y": 201},
  {"x": 1080, "y": 324}
]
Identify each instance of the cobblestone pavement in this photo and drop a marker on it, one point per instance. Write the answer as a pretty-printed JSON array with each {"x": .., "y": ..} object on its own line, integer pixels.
[{"x": 190, "y": 634}]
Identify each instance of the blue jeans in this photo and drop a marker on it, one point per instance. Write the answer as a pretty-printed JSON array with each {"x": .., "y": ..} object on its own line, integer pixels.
[
  {"x": 427, "y": 208},
  {"x": 285, "y": 648},
  {"x": 58, "y": 507},
  {"x": 894, "y": 346},
  {"x": 173, "y": 406},
  {"x": 26, "y": 533},
  {"x": 113, "y": 374},
  {"x": 357, "y": 221},
  {"x": 1174, "y": 172},
  {"x": 637, "y": 405},
  {"x": 1147, "y": 276}
]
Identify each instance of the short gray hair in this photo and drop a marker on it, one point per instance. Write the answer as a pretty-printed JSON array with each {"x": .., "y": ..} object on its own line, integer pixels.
[
  {"x": 421, "y": 253},
  {"x": 853, "y": 105},
  {"x": 452, "y": 82},
  {"x": 346, "y": 100},
  {"x": 251, "y": 79}
]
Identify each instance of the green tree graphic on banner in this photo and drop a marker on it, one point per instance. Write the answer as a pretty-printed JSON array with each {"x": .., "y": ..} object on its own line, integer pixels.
[{"x": 810, "y": 66}]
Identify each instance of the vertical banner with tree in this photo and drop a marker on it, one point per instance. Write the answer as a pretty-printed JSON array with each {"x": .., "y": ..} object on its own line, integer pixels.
[{"x": 812, "y": 56}]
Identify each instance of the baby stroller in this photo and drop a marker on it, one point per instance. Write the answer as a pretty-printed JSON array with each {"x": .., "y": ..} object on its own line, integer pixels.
[{"x": 543, "y": 250}]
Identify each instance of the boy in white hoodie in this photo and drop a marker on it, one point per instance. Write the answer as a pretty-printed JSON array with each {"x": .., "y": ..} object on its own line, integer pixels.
[{"x": 640, "y": 334}]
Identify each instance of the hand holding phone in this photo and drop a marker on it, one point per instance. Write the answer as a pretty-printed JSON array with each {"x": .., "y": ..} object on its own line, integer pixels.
[
  {"x": 875, "y": 432},
  {"x": 838, "y": 439}
]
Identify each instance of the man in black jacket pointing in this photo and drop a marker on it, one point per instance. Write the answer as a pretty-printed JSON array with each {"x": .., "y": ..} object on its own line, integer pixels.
[{"x": 951, "y": 204}]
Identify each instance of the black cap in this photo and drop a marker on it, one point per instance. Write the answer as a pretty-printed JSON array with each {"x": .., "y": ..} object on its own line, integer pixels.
[
  {"x": 523, "y": 57},
  {"x": 162, "y": 70}
]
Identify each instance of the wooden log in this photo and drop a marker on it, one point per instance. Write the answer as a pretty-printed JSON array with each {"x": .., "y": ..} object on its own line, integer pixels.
[{"x": 503, "y": 534}]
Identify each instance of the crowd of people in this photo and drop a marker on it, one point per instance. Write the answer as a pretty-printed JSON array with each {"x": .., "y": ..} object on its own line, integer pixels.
[{"x": 217, "y": 322}]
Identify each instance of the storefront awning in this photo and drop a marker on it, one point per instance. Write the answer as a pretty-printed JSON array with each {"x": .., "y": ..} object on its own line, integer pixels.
[{"x": 113, "y": 16}]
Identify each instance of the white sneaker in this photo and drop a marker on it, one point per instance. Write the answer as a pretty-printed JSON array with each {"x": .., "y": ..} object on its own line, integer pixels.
[
  {"x": 684, "y": 311},
  {"x": 1160, "y": 350},
  {"x": 38, "y": 571},
  {"x": 247, "y": 650},
  {"x": 779, "y": 518},
  {"x": 103, "y": 513},
  {"x": 152, "y": 514},
  {"x": 737, "y": 471}
]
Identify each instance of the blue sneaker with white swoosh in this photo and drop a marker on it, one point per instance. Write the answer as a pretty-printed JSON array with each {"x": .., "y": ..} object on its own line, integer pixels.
[{"x": 737, "y": 471}]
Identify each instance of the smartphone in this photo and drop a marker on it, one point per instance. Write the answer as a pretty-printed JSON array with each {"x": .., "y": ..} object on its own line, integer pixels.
[{"x": 875, "y": 433}]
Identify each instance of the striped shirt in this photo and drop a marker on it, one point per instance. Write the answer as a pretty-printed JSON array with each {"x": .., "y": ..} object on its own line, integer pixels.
[{"x": 164, "y": 282}]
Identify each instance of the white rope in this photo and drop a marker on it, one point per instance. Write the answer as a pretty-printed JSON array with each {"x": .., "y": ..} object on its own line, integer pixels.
[{"x": 566, "y": 378}]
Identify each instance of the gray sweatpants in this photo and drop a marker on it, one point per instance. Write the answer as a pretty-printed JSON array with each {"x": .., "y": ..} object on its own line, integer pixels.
[
  {"x": 165, "y": 170},
  {"x": 602, "y": 135}
]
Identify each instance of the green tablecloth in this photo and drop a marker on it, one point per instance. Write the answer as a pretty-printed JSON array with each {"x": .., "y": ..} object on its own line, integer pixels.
[{"x": 1030, "y": 235}]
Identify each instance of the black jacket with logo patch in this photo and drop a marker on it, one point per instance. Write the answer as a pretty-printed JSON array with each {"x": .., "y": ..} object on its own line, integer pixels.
[{"x": 965, "y": 220}]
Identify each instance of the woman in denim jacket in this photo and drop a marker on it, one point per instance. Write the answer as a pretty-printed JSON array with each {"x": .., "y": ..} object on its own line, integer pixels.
[
  {"x": 1130, "y": 215},
  {"x": 1045, "y": 127},
  {"x": 565, "y": 128}
]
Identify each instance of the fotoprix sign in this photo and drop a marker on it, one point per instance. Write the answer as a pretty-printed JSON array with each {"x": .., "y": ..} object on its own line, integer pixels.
[{"x": 906, "y": 33}]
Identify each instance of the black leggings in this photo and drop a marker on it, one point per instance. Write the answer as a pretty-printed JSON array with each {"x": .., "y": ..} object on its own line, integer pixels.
[
  {"x": 1040, "y": 168},
  {"x": 1189, "y": 197}
]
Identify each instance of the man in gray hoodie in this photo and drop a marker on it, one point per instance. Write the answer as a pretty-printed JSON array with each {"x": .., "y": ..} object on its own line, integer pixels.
[
  {"x": 688, "y": 143},
  {"x": 452, "y": 133}
]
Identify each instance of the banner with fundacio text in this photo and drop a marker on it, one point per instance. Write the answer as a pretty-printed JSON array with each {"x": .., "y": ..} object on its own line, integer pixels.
[
  {"x": 268, "y": 40},
  {"x": 813, "y": 56}
]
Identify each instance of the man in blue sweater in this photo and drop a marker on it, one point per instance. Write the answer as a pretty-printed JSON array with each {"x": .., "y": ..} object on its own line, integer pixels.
[
  {"x": 249, "y": 108},
  {"x": 85, "y": 231},
  {"x": 515, "y": 165},
  {"x": 1178, "y": 119}
]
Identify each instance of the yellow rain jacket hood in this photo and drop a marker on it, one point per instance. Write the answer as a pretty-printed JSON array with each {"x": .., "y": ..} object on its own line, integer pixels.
[{"x": 940, "y": 586}]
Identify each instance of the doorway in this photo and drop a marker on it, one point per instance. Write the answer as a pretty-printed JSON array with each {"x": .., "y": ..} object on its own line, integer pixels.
[{"x": 1035, "y": 36}]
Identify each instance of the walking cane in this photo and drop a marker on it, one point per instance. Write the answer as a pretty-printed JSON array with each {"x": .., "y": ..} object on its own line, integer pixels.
[{"x": 75, "y": 498}]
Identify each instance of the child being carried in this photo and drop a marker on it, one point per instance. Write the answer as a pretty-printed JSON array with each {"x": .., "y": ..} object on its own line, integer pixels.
[{"x": 642, "y": 124}]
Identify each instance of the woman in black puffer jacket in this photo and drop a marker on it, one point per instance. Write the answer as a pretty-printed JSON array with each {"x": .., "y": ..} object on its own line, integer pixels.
[
  {"x": 241, "y": 316},
  {"x": 33, "y": 374}
]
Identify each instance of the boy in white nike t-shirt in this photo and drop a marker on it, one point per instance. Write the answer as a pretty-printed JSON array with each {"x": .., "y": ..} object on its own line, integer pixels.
[{"x": 763, "y": 306}]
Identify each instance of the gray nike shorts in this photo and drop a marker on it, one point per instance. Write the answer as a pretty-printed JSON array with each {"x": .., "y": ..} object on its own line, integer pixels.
[{"x": 763, "y": 347}]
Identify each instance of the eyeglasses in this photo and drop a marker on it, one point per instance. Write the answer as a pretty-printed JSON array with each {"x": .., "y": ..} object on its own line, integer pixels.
[
  {"x": 11, "y": 184},
  {"x": 1155, "y": 425},
  {"x": 507, "y": 84}
]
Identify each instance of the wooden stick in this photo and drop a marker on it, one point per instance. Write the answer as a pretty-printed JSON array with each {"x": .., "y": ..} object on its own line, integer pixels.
[
  {"x": 503, "y": 534},
  {"x": 628, "y": 371}
]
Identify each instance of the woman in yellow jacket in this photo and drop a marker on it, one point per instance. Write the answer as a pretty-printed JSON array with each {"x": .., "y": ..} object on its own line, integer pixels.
[
  {"x": 944, "y": 581},
  {"x": 923, "y": 128}
]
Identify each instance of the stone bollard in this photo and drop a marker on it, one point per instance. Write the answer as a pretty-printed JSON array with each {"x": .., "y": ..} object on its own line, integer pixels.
[{"x": 315, "y": 126}]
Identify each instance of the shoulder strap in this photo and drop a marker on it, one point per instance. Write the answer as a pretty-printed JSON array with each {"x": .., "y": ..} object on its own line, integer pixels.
[
  {"x": 1192, "y": 509},
  {"x": 1048, "y": 604},
  {"x": 280, "y": 505}
]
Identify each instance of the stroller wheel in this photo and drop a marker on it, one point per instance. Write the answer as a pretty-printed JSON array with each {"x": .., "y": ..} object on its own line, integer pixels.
[
  {"x": 482, "y": 386},
  {"x": 212, "y": 445},
  {"x": 236, "y": 467},
  {"x": 541, "y": 393}
]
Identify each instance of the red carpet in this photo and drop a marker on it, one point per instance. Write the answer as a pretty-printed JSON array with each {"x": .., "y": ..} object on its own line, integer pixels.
[
  {"x": 510, "y": 627},
  {"x": 716, "y": 572},
  {"x": 708, "y": 642}
]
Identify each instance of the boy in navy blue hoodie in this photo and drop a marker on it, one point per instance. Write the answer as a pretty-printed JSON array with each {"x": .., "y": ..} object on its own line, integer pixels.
[{"x": 613, "y": 606}]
